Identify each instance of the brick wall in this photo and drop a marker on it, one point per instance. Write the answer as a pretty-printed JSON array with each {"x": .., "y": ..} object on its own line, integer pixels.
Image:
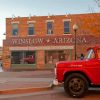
[
  {"x": 6, "y": 58},
  {"x": 58, "y": 26},
  {"x": 40, "y": 59}
]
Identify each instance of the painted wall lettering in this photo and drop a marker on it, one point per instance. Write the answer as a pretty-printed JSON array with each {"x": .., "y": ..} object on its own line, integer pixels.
[{"x": 48, "y": 40}]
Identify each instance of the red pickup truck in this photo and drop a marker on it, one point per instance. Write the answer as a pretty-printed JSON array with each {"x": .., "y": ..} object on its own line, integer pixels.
[{"x": 78, "y": 76}]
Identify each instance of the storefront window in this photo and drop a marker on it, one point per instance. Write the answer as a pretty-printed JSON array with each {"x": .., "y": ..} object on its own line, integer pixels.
[
  {"x": 51, "y": 57},
  {"x": 23, "y": 57}
]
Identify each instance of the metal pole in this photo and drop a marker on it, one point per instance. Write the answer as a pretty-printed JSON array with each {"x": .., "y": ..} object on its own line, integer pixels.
[{"x": 75, "y": 45}]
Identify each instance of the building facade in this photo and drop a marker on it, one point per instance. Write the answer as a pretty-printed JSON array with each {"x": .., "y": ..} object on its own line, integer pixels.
[
  {"x": 38, "y": 42},
  {"x": 1, "y": 53}
]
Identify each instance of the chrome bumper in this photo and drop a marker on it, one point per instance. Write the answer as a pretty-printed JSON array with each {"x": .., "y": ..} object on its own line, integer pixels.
[{"x": 55, "y": 82}]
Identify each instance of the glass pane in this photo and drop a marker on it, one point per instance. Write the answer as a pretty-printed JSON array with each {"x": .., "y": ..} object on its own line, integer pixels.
[
  {"x": 31, "y": 31},
  {"x": 66, "y": 27},
  {"x": 51, "y": 57},
  {"x": 66, "y": 24},
  {"x": 15, "y": 57},
  {"x": 15, "y": 32},
  {"x": 15, "y": 26},
  {"x": 90, "y": 54},
  {"x": 23, "y": 57},
  {"x": 49, "y": 28},
  {"x": 49, "y": 31},
  {"x": 14, "y": 29},
  {"x": 66, "y": 30},
  {"x": 49, "y": 25}
]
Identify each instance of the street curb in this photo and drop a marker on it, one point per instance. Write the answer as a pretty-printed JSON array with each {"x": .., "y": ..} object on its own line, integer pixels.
[
  {"x": 24, "y": 90},
  {"x": 28, "y": 89}
]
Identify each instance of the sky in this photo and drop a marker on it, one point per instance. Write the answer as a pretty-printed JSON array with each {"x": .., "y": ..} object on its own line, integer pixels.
[{"x": 24, "y": 8}]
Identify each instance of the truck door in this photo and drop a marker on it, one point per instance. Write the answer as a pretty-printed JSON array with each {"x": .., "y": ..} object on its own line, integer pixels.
[{"x": 93, "y": 67}]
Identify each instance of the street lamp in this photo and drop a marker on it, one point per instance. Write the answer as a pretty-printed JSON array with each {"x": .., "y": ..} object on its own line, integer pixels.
[{"x": 75, "y": 28}]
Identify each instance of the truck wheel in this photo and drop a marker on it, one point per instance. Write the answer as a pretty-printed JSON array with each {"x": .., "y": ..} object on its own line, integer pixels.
[{"x": 76, "y": 85}]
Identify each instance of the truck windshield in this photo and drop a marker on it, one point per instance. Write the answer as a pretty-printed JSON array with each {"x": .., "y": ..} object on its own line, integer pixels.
[{"x": 90, "y": 54}]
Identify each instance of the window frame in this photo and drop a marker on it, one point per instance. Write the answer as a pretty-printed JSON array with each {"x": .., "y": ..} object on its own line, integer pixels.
[
  {"x": 67, "y": 27},
  {"x": 32, "y": 30},
  {"x": 15, "y": 29},
  {"x": 49, "y": 28}
]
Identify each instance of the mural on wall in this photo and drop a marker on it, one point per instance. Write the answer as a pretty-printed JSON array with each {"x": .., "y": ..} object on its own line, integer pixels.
[{"x": 54, "y": 40}]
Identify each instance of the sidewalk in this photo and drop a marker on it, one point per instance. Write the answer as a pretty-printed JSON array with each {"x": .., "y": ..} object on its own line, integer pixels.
[{"x": 25, "y": 81}]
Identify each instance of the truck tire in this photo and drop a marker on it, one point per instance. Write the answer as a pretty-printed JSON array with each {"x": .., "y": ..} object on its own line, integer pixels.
[{"x": 76, "y": 85}]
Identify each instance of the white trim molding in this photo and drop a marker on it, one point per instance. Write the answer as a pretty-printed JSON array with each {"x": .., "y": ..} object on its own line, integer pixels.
[
  {"x": 49, "y": 21},
  {"x": 66, "y": 20},
  {"x": 15, "y": 22},
  {"x": 28, "y": 22},
  {"x": 41, "y": 48}
]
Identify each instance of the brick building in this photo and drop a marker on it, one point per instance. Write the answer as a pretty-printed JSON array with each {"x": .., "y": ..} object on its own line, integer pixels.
[
  {"x": 0, "y": 53},
  {"x": 44, "y": 40}
]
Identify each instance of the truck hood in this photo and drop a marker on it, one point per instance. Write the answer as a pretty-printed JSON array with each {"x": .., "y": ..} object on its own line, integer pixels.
[{"x": 78, "y": 63}]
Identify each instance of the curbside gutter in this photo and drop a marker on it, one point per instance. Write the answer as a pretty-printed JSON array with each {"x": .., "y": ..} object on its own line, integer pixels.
[
  {"x": 25, "y": 90},
  {"x": 28, "y": 89}
]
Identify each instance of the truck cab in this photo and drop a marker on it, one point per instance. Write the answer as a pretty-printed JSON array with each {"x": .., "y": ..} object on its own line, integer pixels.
[{"x": 77, "y": 76}]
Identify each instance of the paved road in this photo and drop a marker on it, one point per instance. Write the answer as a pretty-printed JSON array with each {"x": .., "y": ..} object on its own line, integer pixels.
[
  {"x": 54, "y": 94},
  {"x": 25, "y": 79}
]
